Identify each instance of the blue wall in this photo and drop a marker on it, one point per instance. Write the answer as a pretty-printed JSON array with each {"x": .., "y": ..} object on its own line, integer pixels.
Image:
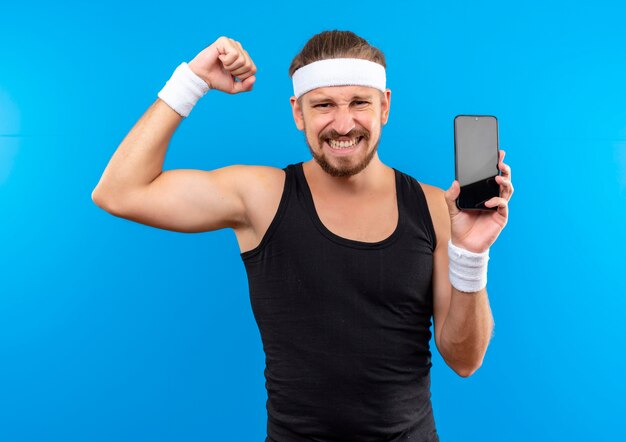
[{"x": 111, "y": 330}]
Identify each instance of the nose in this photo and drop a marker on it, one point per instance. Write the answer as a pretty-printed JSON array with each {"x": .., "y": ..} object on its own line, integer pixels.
[{"x": 343, "y": 121}]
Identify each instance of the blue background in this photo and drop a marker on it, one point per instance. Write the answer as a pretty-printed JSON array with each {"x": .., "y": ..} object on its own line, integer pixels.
[{"x": 112, "y": 330}]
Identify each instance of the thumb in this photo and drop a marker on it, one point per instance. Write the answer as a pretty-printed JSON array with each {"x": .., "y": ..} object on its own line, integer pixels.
[
  {"x": 227, "y": 57},
  {"x": 451, "y": 195},
  {"x": 244, "y": 86}
]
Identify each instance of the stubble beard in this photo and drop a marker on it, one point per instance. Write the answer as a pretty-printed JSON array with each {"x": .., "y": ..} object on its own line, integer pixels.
[{"x": 345, "y": 168}]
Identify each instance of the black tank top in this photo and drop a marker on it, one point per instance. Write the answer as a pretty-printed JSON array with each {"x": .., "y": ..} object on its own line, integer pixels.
[{"x": 345, "y": 324}]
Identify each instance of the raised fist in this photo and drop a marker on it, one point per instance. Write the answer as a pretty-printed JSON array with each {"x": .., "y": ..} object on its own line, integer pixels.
[{"x": 221, "y": 63}]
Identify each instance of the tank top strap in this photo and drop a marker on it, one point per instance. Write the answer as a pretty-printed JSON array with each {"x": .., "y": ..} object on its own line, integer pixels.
[
  {"x": 280, "y": 212},
  {"x": 415, "y": 207}
]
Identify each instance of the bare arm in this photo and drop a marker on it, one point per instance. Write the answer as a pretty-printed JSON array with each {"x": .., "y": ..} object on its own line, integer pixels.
[
  {"x": 134, "y": 185},
  {"x": 463, "y": 322},
  {"x": 466, "y": 332},
  {"x": 138, "y": 160}
]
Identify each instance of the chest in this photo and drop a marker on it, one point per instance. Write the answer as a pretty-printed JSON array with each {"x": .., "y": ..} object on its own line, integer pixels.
[{"x": 367, "y": 220}]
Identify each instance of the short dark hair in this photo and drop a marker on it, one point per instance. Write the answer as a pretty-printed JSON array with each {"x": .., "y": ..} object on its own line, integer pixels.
[{"x": 336, "y": 44}]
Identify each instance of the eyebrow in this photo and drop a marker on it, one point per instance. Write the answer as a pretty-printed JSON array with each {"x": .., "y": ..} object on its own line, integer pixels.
[{"x": 315, "y": 101}]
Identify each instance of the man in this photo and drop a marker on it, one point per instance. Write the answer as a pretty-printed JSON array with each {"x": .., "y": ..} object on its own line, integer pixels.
[{"x": 347, "y": 258}]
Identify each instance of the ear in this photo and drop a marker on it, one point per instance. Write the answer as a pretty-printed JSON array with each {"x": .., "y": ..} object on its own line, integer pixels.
[
  {"x": 297, "y": 113},
  {"x": 385, "y": 103}
]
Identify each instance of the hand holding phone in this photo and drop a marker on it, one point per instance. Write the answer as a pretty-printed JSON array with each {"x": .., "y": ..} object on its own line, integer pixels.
[{"x": 476, "y": 160}]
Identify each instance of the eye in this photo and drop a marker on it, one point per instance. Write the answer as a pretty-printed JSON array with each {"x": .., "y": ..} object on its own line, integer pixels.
[
  {"x": 361, "y": 103},
  {"x": 322, "y": 105}
]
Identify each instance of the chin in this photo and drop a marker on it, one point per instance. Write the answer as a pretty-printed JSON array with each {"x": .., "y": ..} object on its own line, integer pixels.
[{"x": 338, "y": 168}]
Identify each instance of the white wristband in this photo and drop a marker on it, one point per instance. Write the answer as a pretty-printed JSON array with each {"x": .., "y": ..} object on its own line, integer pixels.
[
  {"x": 183, "y": 90},
  {"x": 468, "y": 270}
]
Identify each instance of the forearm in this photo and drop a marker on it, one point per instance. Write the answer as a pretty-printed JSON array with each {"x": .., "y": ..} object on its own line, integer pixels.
[
  {"x": 466, "y": 331},
  {"x": 139, "y": 158}
]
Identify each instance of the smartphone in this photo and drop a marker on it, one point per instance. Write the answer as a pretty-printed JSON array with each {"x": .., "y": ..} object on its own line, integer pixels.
[{"x": 476, "y": 160}]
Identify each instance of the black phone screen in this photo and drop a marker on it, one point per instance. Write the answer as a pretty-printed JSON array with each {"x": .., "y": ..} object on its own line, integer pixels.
[{"x": 476, "y": 159}]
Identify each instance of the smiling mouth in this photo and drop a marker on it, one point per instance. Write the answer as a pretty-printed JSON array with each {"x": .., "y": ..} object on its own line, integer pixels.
[{"x": 344, "y": 144}]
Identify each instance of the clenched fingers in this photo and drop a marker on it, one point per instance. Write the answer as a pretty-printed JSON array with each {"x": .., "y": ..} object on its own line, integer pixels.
[
  {"x": 248, "y": 69},
  {"x": 236, "y": 60}
]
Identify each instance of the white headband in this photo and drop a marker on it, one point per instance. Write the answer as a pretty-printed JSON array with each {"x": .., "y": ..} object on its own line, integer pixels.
[{"x": 338, "y": 72}]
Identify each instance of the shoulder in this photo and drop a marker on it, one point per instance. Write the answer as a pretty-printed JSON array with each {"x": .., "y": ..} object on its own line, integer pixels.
[
  {"x": 255, "y": 184},
  {"x": 434, "y": 195},
  {"x": 437, "y": 207},
  {"x": 435, "y": 198},
  {"x": 260, "y": 188}
]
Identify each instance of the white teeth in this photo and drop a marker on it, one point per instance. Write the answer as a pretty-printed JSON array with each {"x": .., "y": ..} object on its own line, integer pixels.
[{"x": 342, "y": 144}]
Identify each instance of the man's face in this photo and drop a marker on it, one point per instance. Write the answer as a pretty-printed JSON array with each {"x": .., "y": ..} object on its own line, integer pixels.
[{"x": 342, "y": 125}]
